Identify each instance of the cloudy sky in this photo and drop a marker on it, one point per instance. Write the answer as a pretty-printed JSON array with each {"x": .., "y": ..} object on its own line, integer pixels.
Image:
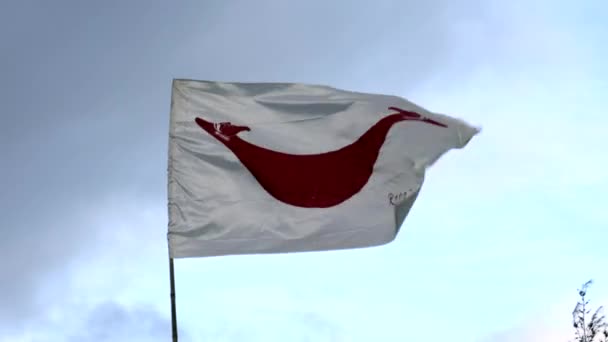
[{"x": 85, "y": 91}]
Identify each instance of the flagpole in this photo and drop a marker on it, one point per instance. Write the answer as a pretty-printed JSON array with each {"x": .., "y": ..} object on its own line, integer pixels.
[{"x": 173, "y": 307}]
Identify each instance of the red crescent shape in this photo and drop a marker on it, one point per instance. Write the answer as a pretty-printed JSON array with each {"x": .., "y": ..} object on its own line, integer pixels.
[{"x": 312, "y": 180}]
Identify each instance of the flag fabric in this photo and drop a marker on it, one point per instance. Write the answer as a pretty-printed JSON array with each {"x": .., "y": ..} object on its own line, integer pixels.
[{"x": 285, "y": 167}]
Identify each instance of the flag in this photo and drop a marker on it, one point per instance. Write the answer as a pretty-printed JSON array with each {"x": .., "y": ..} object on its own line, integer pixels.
[{"x": 285, "y": 167}]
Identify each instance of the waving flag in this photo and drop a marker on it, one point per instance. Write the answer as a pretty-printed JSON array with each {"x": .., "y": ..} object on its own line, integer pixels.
[{"x": 283, "y": 167}]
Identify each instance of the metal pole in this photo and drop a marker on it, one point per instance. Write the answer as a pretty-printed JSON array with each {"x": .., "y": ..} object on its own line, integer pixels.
[{"x": 173, "y": 309}]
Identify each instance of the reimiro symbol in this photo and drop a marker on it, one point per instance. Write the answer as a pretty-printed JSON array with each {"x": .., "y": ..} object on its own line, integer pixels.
[{"x": 312, "y": 180}]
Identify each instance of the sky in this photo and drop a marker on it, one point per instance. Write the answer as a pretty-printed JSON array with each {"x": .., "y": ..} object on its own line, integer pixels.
[{"x": 500, "y": 238}]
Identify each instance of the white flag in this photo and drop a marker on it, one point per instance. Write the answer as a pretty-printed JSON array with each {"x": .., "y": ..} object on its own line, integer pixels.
[{"x": 271, "y": 168}]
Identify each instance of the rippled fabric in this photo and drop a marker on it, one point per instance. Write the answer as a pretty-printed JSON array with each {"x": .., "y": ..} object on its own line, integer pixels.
[{"x": 276, "y": 168}]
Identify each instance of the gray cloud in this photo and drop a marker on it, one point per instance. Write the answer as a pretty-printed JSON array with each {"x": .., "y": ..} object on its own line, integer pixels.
[
  {"x": 106, "y": 321},
  {"x": 113, "y": 322}
]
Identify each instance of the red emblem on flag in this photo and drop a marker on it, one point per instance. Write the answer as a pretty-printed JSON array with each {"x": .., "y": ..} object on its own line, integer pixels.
[{"x": 312, "y": 180}]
